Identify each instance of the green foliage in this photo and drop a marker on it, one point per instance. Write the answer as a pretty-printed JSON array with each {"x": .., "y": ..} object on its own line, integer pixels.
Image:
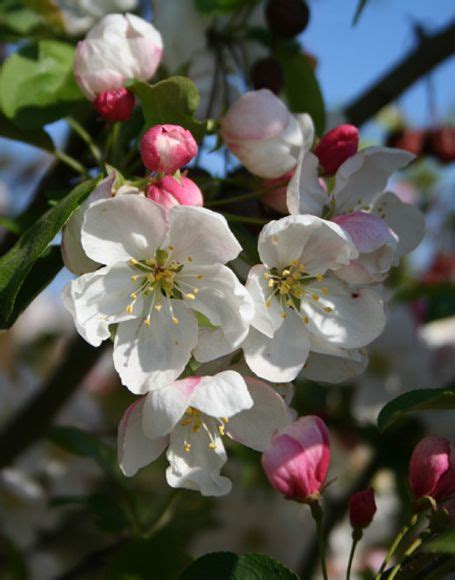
[
  {"x": 159, "y": 556},
  {"x": 174, "y": 100},
  {"x": 38, "y": 85},
  {"x": 229, "y": 566},
  {"x": 85, "y": 445},
  {"x": 16, "y": 264},
  {"x": 301, "y": 86},
  {"x": 444, "y": 543},
  {"x": 413, "y": 401},
  {"x": 37, "y": 137},
  {"x": 12, "y": 562},
  {"x": 212, "y": 7}
]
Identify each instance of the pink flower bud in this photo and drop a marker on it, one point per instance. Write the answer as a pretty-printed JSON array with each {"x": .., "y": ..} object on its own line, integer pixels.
[
  {"x": 116, "y": 105},
  {"x": 168, "y": 192},
  {"x": 297, "y": 459},
  {"x": 430, "y": 470},
  {"x": 336, "y": 146},
  {"x": 167, "y": 148},
  {"x": 362, "y": 508}
]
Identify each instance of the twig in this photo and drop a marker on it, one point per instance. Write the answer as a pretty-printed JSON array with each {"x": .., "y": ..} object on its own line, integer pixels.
[
  {"x": 431, "y": 51},
  {"x": 35, "y": 418}
]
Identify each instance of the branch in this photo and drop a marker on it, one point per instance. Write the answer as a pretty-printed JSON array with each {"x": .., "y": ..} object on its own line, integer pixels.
[
  {"x": 35, "y": 418},
  {"x": 431, "y": 51}
]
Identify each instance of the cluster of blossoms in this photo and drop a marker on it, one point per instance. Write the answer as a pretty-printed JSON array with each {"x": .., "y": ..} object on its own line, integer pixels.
[{"x": 153, "y": 276}]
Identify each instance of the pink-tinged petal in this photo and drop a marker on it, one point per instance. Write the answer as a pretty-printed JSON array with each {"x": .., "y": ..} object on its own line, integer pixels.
[
  {"x": 368, "y": 232},
  {"x": 446, "y": 485},
  {"x": 429, "y": 461},
  {"x": 167, "y": 148},
  {"x": 305, "y": 194},
  {"x": 297, "y": 459},
  {"x": 135, "y": 450},
  {"x": 170, "y": 191}
]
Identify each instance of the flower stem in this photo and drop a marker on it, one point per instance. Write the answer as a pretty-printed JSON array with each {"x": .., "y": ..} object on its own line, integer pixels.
[
  {"x": 412, "y": 548},
  {"x": 71, "y": 162},
  {"x": 242, "y": 197},
  {"x": 85, "y": 136},
  {"x": 396, "y": 542},
  {"x": 317, "y": 513},
  {"x": 356, "y": 537}
]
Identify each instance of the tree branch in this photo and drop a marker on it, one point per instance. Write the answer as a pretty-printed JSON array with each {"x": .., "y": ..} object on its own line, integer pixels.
[
  {"x": 35, "y": 418},
  {"x": 431, "y": 51}
]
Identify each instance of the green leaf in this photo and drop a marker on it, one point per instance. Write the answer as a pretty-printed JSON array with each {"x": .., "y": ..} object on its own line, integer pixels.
[
  {"x": 38, "y": 85},
  {"x": 301, "y": 87},
  {"x": 213, "y": 7},
  {"x": 229, "y": 566},
  {"x": 443, "y": 544},
  {"x": 174, "y": 101},
  {"x": 81, "y": 443},
  {"x": 413, "y": 401},
  {"x": 16, "y": 264},
  {"x": 38, "y": 137},
  {"x": 360, "y": 6},
  {"x": 159, "y": 557}
]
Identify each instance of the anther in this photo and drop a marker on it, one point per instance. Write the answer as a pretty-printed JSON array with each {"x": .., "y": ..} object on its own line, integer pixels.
[
  {"x": 325, "y": 290},
  {"x": 190, "y": 259},
  {"x": 175, "y": 320},
  {"x": 212, "y": 445},
  {"x": 327, "y": 309},
  {"x": 315, "y": 297},
  {"x": 319, "y": 277},
  {"x": 129, "y": 308},
  {"x": 190, "y": 296}
]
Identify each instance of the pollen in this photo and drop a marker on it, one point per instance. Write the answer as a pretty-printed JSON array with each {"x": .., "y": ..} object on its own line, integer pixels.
[
  {"x": 325, "y": 290},
  {"x": 129, "y": 308},
  {"x": 306, "y": 320},
  {"x": 147, "y": 321},
  {"x": 328, "y": 309},
  {"x": 186, "y": 447},
  {"x": 158, "y": 307},
  {"x": 212, "y": 445},
  {"x": 190, "y": 296},
  {"x": 190, "y": 259},
  {"x": 133, "y": 261},
  {"x": 274, "y": 238},
  {"x": 175, "y": 320},
  {"x": 199, "y": 276},
  {"x": 171, "y": 248},
  {"x": 133, "y": 295},
  {"x": 319, "y": 277},
  {"x": 315, "y": 297}
]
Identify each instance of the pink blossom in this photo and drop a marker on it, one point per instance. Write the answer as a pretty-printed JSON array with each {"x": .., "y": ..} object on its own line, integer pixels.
[
  {"x": 115, "y": 105},
  {"x": 362, "y": 508},
  {"x": 167, "y": 148},
  {"x": 430, "y": 470},
  {"x": 170, "y": 191},
  {"x": 297, "y": 459},
  {"x": 336, "y": 146}
]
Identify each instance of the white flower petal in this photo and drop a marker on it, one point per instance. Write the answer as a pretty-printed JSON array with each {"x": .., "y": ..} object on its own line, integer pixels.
[
  {"x": 304, "y": 193},
  {"x": 74, "y": 256},
  {"x": 224, "y": 301},
  {"x": 254, "y": 427},
  {"x": 121, "y": 228},
  {"x": 364, "y": 175},
  {"x": 319, "y": 244},
  {"x": 164, "y": 407},
  {"x": 149, "y": 357},
  {"x": 356, "y": 316},
  {"x": 266, "y": 319},
  {"x": 222, "y": 395},
  {"x": 406, "y": 221},
  {"x": 99, "y": 299},
  {"x": 199, "y": 468},
  {"x": 278, "y": 359},
  {"x": 201, "y": 236},
  {"x": 331, "y": 364},
  {"x": 135, "y": 450}
]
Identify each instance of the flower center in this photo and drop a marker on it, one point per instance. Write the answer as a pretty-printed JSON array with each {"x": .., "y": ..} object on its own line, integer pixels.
[
  {"x": 196, "y": 422},
  {"x": 158, "y": 279},
  {"x": 291, "y": 286}
]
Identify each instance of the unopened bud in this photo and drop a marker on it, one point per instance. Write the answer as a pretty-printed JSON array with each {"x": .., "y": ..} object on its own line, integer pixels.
[
  {"x": 170, "y": 191},
  {"x": 287, "y": 17},
  {"x": 167, "y": 148},
  {"x": 431, "y": 472},
  {"x": 336, "y": 146},
  {"x": 362, "y": 508},
  {"x": 116, "y": 105}
]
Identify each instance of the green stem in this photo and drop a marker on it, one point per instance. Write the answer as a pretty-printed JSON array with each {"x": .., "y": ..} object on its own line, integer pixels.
[
  {"x": 317, "y": 513},
  {"x": 412, "y": 548},
  {"x": 396, "y": 542},
  {"x": 71, "y": 162},
  {"x": 231, "y": 217},
  {"x": 356, "y": 537},
  {"x": 252, "y": 195},
  {"x": 85, "y": 136}
]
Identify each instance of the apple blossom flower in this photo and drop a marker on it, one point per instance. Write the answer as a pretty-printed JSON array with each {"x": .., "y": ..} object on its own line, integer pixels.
[
  {"x": 170, "y": 191},
  {"x": 80, "y": 15},
  {"x": 297, "y": 297},
  {"x": 336, "y": 146},
  {"x": 189, "y": 417},
  {"x": 264, "y": 135},
  {"x": 431, "y": 472},
  {"x": 297, "y": 458},
  {"x": 118, "y": 48},
  {"x": 163, "y": 273},
  {"x": 362, "y": 508},
  {"x": 356, "y": 196},
  {"x": 73, "y": 254},
  {"x": 116, "y": 105},
  {"x": 167, "y": 148}
]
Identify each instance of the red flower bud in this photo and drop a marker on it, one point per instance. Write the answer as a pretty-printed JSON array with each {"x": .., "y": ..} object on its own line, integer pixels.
[
  {"x": 116, "y": 105},
  {"x": 336, "y": 146},
  {"x": 441, "y": 143},
  {"x": 170, "y": 191},
  {"x": 430, "y": 470},
  {"x": 297, "y": 459},
  {"x": 412, "y": 141},
  {"x": 287, "y": 17},
  {"x": 362, "y": 508},
  {"x": 167, "y": 148}
]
